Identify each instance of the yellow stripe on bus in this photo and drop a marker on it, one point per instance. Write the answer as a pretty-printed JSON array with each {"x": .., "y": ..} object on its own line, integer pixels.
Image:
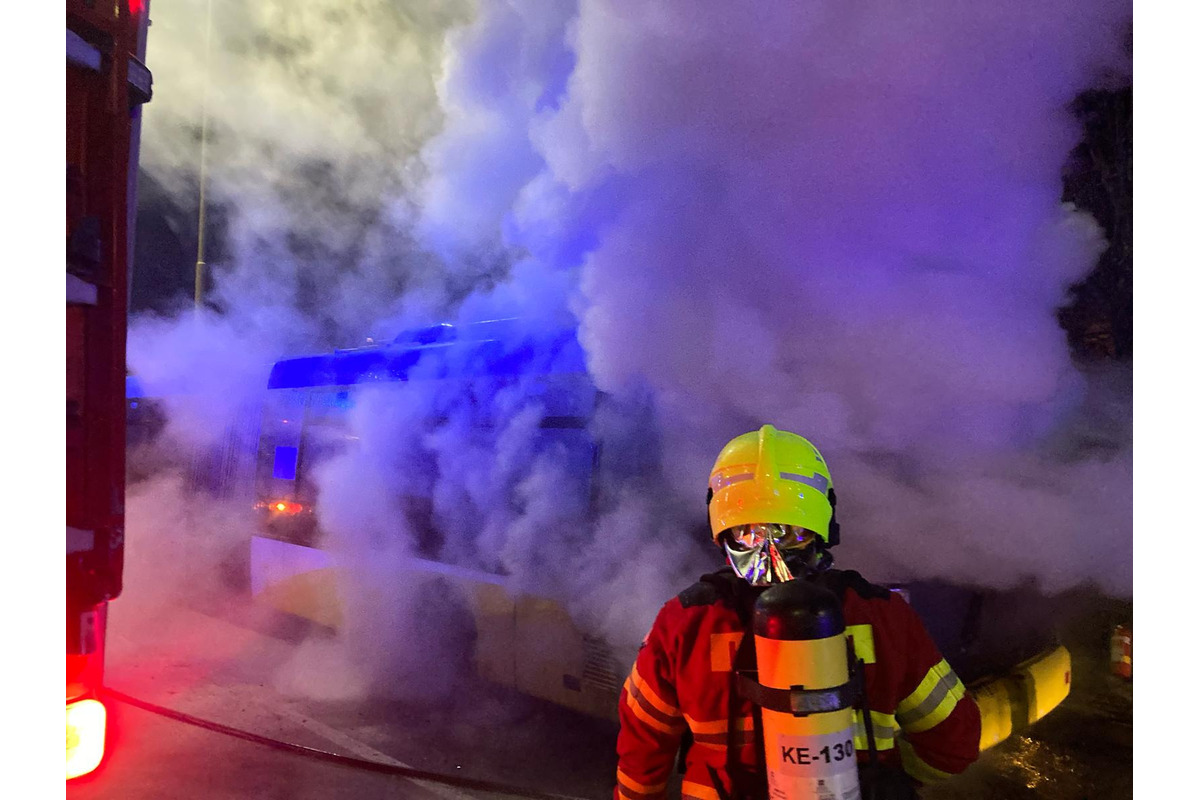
[{"x": 312, "y": 595}]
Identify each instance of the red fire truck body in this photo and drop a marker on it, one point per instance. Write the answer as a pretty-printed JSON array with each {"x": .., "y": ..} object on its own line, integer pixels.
[{"x": 106, "y": 85}]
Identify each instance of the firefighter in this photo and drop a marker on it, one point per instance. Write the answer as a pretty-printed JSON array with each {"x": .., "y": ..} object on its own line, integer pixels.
[{"x": 771, "y": 510}]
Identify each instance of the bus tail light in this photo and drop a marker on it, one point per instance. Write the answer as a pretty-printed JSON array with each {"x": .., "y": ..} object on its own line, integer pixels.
[
  {"x": 86, "y": 721},
  {"x": 281, "y": 507}
]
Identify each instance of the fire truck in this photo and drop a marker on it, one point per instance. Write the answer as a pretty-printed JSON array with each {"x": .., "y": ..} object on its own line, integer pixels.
[{"x": 107, "y": 83}]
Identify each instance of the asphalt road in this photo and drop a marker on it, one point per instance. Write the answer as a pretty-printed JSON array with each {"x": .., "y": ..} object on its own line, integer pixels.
[{"x": 227, "y": 667}]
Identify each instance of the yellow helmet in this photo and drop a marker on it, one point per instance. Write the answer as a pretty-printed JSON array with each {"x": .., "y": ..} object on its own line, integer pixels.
[{"x": 772, "y": 476}]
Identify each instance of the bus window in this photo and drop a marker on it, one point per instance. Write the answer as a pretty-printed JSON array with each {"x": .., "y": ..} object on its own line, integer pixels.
[
  {"x": 284, "y": 514},
  {"x": 279, "y": 438},
  {"x": 321, "y": 440}
]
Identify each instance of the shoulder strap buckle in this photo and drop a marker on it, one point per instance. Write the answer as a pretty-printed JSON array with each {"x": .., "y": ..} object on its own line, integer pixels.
[{"x": 798, "y": 701}]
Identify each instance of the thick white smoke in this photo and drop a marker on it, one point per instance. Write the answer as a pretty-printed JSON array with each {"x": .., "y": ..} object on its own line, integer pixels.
[
  {"x": 840, "y": 219},
  {"x": 845, "y": 222},
  {"x": 311, "y": 115}
]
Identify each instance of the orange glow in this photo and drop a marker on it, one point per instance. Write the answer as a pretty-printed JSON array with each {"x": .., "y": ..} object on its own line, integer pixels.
[
  {"x": 86, "y": 721},
  {"x": 280, "y": 506}
]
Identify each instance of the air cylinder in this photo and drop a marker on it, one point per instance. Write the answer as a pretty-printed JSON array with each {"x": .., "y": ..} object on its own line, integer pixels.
[{"x": 800, "y": 644}]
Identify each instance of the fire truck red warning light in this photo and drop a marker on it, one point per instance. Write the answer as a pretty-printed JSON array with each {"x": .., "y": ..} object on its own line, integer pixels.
[{"x": 85, "y": 737}]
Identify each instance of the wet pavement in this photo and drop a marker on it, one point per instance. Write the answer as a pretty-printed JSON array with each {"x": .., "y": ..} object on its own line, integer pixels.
[
  {"x": 1083, "y": 750},
  {"x": 225, "y": 669}
]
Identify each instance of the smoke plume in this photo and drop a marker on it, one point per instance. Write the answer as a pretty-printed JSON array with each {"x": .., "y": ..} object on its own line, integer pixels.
[{"x": 842, "y": 220}]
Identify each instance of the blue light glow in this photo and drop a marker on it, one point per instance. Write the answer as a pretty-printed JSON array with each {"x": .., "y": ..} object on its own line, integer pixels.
[
  {"x": 285, "y": 463},
  {"x": 468, "y": 357}
]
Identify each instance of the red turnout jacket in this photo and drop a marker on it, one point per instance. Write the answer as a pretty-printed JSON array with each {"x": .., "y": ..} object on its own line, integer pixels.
[{"x": 682, "y": 681}]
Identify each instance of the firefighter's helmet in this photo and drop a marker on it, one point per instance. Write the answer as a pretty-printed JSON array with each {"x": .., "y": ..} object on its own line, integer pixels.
[{"x": 772, "y": 476}]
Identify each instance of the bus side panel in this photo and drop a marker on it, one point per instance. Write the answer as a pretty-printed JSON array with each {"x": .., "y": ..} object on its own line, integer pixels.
[{"x": 557, "y": 662}]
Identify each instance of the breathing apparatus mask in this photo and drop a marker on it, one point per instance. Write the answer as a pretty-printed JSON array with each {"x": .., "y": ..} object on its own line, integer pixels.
[{"x": 768, "y": 553}]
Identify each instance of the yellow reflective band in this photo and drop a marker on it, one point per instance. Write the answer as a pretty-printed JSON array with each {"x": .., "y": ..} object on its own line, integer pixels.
[
  {"x": 650, "y": 715},
  {"x": 722, "y": 648},
  {"x": 719, "y": 725},
  {"x": 644, "y": 716},
  {"x": 719, "y": 747},
  {"x": 637, "y": 786},
  {"x": 932, "y": 701},
  {"x": 698, "y": 791},
  {"x": 648, "y": 693},
  {"x": 917, "y": 768},
  {"x": 629, "y": 794},
  {"x": 883, "y": 728},
  {"x": 864, "y": 642}
]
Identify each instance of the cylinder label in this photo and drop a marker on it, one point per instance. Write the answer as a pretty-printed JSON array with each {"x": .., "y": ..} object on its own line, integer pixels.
[{"x": 820, "y": 767}]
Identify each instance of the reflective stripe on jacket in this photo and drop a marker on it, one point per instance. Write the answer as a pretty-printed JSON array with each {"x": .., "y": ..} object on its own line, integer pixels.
[{"x": 922, "y": 717}]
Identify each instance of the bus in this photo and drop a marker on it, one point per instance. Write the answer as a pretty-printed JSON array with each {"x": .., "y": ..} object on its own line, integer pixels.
[
  {"x": 107, "y": 83},
  {"x": 523, "y": 641}
]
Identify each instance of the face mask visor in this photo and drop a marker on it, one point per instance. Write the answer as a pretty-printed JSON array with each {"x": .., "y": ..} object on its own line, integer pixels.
[{"x": 757, "y": 552}]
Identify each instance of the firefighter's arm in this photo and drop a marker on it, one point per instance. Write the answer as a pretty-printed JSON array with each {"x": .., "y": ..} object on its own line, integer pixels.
[
  {"x": 651, "y": 722},
  {"x": 939, "y": 720}
]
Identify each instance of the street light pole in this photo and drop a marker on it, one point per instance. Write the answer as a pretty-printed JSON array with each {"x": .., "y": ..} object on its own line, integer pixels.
[{"x": 199, "y": 285}]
